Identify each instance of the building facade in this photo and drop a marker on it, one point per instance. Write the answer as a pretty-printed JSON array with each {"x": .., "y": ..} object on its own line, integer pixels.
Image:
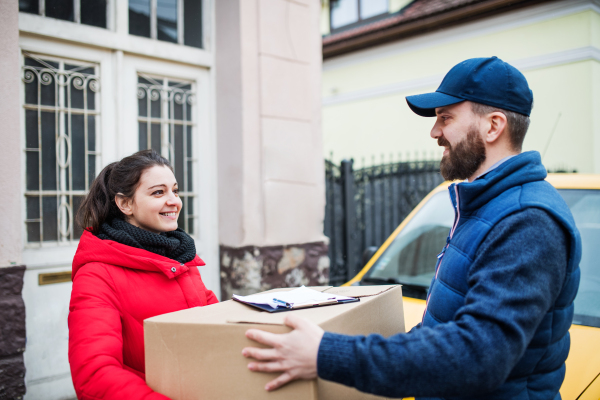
[
  {"x": 228, "y": 91},
  {"x": 370, "y": 67}
]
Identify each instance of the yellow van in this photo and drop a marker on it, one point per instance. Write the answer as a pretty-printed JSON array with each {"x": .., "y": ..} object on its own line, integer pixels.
[{"x": 408, "y": 257}]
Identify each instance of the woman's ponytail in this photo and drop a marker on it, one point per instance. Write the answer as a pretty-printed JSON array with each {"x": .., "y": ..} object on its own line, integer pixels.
[
  {"x": 97, "y": 207},
  {"x": 121, "y": 177}
]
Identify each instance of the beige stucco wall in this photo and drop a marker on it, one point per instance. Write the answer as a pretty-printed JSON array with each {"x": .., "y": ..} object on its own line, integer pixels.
[
  {"x": 10, "y": 162},
  {"x": 271, "y": 179},
  {"x": 556, "y": 45}
]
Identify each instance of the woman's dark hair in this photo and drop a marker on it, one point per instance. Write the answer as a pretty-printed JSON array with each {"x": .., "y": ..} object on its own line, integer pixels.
[{"x": 119, "y": 177}]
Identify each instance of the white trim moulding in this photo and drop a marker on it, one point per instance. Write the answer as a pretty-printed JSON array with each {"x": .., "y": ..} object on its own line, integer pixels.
[{"x": 525, "y": 64}]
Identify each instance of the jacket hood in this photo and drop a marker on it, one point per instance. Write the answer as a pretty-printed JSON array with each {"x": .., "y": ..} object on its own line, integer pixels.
[
  {"x": 93, "y": 249},
  {"x": 520, "y": 169}
]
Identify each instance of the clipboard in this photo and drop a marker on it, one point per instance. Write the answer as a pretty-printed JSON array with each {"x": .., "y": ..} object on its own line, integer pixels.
[{"x": 296, "y": 299}]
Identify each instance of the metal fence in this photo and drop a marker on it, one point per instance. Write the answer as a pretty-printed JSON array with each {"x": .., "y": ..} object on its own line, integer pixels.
[{"x": 364, "y": 206}]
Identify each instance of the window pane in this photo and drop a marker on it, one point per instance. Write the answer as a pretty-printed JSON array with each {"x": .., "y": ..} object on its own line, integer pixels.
[
  {"x": 190, "y": 207},
  {"x": 50, "y": 213},
  {"x": 33, "y": 63},
  {"x": 61, "y": 9},
  {"x": 190, "y": 229},
  {"x": 33, "y": 232},
  {"x": 166, "y": 20},
  {"x": 31, "y": 91},
  {"x": 91, "y": 94},
  {"x": 91, "y": 168},
  {"x": 190, "y": 182},
  {"x": 181, "y": 217},
  {"x": 143, "y": 135},
  {"x": 48, "y": 151},
  {"x": 192, "y": 23},
  {"x": 29, "y": 6},
  {"x": 371, "y": 8},
  {"x": 179, "y": 161},
  {"x": 77, "y": 231},
  {"x": 343, "y": 12},
  {"x": 155, "y": 137},
  {"x": 155, "y": 105},
  {"x": 78, "y": 151},
  {"x": 143, "y": 103},
  {"x": 139, "y": 17},
  {"x": 189, "y": 141},
  {"x": 177, "y": 110},
  {"x": 33, "y": 207},
  {"x": 31, "y": 129},
  {"x": 188, "y": 110},
  {"x": 91, "y": 132},
  {"x": 32, "y": 161},
  {"x": 76, "y": 95},
  {"x": 189, "y": 213},
  {"x": 93, "y": 12}
]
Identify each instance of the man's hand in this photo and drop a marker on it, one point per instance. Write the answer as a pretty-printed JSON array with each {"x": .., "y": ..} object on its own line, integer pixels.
[{"x": 294, "y": 353}]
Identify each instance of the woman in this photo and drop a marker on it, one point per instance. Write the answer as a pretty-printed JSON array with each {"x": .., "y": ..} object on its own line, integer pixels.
[{"x": 132, "y": 263}]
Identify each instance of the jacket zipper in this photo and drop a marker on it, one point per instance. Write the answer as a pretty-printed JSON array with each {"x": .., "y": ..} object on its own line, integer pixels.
[{"x": 448, "y": 239}]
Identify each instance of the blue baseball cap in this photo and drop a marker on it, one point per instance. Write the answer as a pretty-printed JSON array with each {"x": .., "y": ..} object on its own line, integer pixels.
[{"x": 489, "y": 81}]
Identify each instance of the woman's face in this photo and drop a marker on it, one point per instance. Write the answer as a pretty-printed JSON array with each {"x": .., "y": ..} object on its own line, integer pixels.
[{"x": 155, "y": 205}]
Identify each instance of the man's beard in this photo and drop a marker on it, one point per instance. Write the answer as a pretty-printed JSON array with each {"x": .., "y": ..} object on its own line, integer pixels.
[{"x": 464, "y": 158}]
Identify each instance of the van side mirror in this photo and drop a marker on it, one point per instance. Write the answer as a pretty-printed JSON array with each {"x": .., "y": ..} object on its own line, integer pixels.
[{"x": 368, "y": 254}]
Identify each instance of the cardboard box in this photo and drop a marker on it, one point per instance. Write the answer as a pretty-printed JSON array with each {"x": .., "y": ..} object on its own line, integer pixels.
[{"x": 197, "y": 353}]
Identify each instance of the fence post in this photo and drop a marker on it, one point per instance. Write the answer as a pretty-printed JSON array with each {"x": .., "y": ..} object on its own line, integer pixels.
[{"x": 349, "y": 218}]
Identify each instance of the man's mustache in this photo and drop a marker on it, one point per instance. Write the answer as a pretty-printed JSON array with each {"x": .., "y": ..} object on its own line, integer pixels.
[{"x": 442, "y": 142}]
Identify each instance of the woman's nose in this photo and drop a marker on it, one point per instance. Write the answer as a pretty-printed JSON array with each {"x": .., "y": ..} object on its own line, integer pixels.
[{"x": 173, "y": 199}]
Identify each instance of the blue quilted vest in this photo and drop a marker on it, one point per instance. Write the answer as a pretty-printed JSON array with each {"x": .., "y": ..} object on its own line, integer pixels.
[{"x": 515, "y": 185}]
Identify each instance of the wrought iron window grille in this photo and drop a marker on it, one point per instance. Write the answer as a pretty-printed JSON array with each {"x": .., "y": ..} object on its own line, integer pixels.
[
  {"x": 166, "y": 124},
  {"x": 62, "y": 119}
]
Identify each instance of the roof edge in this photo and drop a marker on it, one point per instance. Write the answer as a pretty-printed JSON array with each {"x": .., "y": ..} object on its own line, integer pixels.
[{"x": 405, "y": 29}]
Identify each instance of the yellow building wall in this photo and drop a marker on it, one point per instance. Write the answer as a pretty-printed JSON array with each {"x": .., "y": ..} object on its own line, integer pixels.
[{"x": 565, "y": 119}]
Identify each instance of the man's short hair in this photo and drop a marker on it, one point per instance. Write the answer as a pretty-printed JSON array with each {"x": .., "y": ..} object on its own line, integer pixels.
[{"x": 517, "y": 124}]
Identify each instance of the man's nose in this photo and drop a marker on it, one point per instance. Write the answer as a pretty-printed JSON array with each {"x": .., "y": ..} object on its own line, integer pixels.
[{"x": 436, "y": 131}]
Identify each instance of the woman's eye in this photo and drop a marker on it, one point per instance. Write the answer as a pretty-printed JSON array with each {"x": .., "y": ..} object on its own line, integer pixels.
[
  {"x": 176, "y": 191},
  {"x": 157, "y": 192}
]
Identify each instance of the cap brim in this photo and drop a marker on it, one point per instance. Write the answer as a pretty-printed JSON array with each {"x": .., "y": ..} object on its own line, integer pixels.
[{"x": 425, "y": 104}]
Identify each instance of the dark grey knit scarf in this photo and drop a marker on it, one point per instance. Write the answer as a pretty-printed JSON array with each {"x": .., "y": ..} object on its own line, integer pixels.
[{"x": 176, "y": 245}]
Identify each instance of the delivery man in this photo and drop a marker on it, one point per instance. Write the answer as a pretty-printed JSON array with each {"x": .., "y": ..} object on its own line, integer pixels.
[{"x": 501, "y": 303}]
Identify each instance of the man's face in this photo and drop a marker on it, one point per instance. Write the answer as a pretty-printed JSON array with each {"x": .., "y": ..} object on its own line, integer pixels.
[{"x": 456, "y": 128}]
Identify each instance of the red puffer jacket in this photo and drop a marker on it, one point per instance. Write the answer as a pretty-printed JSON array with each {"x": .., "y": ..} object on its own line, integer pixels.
[{"x": 116, "y": 287}]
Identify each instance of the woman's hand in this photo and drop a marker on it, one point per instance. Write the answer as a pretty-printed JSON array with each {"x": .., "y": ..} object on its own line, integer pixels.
[{"x": 294, "y": 353}]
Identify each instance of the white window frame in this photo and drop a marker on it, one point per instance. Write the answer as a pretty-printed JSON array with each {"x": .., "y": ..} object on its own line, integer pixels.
[
  {"x": 77, "y": 11},
  {"x": 63, "y": 112},
  {"x": 52, "y": 253},
  {"x": 121, "y": 57}
]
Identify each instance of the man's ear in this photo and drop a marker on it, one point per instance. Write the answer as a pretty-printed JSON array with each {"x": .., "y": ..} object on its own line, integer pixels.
[
  {"x": 125, "y": 204},
  {"x": 498, "y": 126}
]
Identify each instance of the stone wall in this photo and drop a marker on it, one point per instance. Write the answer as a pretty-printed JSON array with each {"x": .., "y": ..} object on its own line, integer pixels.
[
  {"x": 251, "y": 269},
  {"x": 12, "y": 333}
]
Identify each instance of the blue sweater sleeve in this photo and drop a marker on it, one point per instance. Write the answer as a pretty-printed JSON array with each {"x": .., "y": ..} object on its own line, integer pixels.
[{"x": 514, "y": 280}]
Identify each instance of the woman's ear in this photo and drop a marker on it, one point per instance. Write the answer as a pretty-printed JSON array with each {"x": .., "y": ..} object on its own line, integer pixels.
[
  {"x": 125, "y": 204},
  {"x": 497, "y": 121}
]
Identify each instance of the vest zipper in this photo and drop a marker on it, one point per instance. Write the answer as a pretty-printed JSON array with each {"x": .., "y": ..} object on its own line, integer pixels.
[{"x": 448, "y": 239}]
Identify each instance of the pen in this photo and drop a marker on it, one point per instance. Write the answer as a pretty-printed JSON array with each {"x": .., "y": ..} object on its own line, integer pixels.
[{"x": 284, "y": 303}]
